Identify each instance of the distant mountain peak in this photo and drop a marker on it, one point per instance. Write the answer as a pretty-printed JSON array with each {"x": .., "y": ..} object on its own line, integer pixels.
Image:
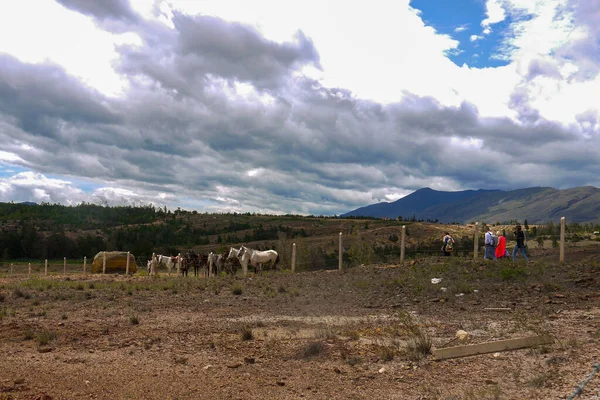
[{"x": 536, "y": 204}]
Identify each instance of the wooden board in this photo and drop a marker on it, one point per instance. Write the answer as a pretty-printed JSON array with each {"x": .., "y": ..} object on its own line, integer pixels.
[{"x": 491, "y": 347}]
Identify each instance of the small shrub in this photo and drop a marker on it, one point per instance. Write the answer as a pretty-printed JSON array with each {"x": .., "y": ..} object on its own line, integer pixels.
[
  {"x": 18, "y": 293},
  {"x": 44, "y": 337},
  {"x": 79, "y": 287},
  {"x": 1, "y": 297},
  {"x": 134, "y": 320},
  {"x": 418, "y": 347},
  {"x": 312, "y": 349},
  {"x": 325, "y": 333},
  {"x": 28, "y": 334},
  {"x": 181, "y": 360},
  {"x": 352, "y": 361},
  {"x": 281, "y": 289},
  {"x": 64, "y": 316},
  {"x": 352, "y": 334},
  {"x": 91, "y": 285},
  {"x": 386, "y": 353},
  {"x": 510, "y": 273},
  {"x": 247, "y": 334},
  {"x": 237, "y": 290}
]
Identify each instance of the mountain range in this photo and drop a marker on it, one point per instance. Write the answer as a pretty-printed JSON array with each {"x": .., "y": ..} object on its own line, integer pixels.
[{"x": 536, "y": 204}]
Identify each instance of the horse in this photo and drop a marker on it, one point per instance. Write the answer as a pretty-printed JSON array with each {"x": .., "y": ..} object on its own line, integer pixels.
[
  {"x": 202, "y": 263},
  {"x": 216, "y": 263},
  {"x": 168, "y": 261},
  {"x": 232, "y": 262},
  {"x": 188, "y": 259},
  {"x": 257, "y": 258},
  {"x": 152, "y": 266}
]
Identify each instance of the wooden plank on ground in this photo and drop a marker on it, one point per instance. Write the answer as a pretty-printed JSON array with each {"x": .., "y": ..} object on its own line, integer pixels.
[{"x": 491, "y": 347}]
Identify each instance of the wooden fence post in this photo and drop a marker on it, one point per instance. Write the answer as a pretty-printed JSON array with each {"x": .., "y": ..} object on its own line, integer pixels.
[
  {"x": 46, "y": 267},
  {"x": 244, "y": 265},
  {"x": 104, "y": 262},
  {"x": 476, "y": 241},
  {"x": 152, "y": 271},
  {"x": 84, "y": 263},
  {"x": 403, "y": 244},
  {"x": 340, "y": 254},
  {"x": 178, "y": 264},
  {"x": 293, "y": 257},
  {"x": 65, "y": 266},
  {"x": 29, "y": 269},
  {"x": 127, "y": 265},
  {"x": 11, "y": 268},
  {"x": 562, "y": 239}
]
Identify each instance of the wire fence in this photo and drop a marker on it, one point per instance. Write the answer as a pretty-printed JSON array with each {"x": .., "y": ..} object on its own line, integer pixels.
[{"x": 356, "y": 251}]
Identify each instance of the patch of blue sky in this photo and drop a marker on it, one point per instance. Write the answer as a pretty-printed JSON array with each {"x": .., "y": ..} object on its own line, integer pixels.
[
  {"x": 461, "y": 20},
  {"x": 7, "y": 170},
  {"x": 86, "y": 186}
]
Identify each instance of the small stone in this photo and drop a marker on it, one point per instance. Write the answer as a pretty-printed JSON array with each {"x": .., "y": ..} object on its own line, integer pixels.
[
  {"x": 236, "y": 365},
  {"x": 381, "y": 370},
  {"x": 19, "y": 381},
  {"x": 41, "y": 396},
  {"x": 280, "y": 383},
  {"x": 462, "y": 336},
  {"x": 45, "y": 349},
  {"x": 249, "y": 360}
]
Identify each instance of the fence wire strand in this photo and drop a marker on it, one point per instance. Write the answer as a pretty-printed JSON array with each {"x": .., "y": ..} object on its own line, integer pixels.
[{"x": 579, "y": 390}]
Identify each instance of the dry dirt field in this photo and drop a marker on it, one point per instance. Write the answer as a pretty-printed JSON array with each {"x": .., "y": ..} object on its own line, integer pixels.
[{"x": 364, "y": 333}]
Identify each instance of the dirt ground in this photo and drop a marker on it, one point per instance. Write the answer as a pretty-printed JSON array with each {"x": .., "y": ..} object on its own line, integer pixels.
[{"x": 363, "y": 333}]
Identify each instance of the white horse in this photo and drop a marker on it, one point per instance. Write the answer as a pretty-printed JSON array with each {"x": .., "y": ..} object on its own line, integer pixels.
[
  {"x": 168, "y": 261},
  {"x": 233, "y": 253},
  {"x": 152, "y": 266},
  {"x": 257, "y": 258},
  {"x": 216, "y": 263}
]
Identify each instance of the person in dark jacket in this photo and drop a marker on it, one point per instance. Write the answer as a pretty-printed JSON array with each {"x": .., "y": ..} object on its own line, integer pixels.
[
  {"x": 448, "y": 244},
  {"x": 520, "y": 235}
]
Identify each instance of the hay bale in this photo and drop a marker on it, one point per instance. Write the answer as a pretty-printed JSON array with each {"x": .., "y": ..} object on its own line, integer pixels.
[{"x": 116, "y": 263}]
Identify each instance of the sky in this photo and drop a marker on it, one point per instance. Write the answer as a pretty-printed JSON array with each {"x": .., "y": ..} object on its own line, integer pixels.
[{"x": 301, "y": 107}]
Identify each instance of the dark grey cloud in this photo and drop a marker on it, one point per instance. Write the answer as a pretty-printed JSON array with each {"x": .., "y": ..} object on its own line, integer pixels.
[
  {"x": 200, "y": 48},
  {"x": 112, "y": 15},
  {"x": 289, "y": 145},
  {"x": 41, "y": 96}
]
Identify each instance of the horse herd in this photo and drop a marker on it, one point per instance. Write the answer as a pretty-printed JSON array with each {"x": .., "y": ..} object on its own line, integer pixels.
[{"x": 214, "y": 263}]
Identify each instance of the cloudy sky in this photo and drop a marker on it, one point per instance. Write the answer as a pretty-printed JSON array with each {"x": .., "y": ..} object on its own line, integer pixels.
[{"x": 307, "y": 107}]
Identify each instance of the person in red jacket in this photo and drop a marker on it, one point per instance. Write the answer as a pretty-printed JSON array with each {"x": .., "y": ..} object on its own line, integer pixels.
[{"x": 501, "y": 248}]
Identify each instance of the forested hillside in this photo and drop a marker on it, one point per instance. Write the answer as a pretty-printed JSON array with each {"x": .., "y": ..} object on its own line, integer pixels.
[{"x": 55, "y": 231}]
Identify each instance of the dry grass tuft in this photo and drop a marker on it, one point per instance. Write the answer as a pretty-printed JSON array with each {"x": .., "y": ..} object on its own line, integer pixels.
[
  {"x": 247, "y": 334},
  {"x": 312, "y": 350}
]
